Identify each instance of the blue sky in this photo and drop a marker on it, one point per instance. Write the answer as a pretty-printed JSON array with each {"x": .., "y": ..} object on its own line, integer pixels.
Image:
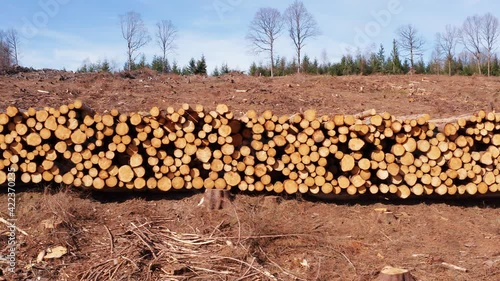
[{"x": 63, "y": 33}]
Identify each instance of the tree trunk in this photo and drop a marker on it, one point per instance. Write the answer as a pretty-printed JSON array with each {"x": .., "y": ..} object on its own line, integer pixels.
[
  {"x": 14, "y": 50},
  {"x": 164, "y": 62},
  {"x": 298, "y": 60},
  {"x": 449, "y": 67},
  {"x": 478, "y": 57},
  {"x": 411, "y": 60},
  {"x": 129, "y": 61},
  {"x": 272, "y": 61},
  {"x": 489, "y": 64}
]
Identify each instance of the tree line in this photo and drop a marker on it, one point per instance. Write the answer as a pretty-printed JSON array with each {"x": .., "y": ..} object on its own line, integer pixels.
[
  {"x": 477, "y": 36},
  {"x": 458, "y": 50},
  {"x": 377, "y": 63}
]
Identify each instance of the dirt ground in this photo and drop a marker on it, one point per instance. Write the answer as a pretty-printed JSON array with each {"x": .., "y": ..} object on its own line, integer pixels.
[
  {"x": 140, "y": 236},
  {"x": 440, "y": 96}
]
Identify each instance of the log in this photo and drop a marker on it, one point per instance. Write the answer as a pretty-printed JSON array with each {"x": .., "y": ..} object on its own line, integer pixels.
[
  {"x": 125, "y": 174},
  {"x": 356, "y": 144},
  {"x": 365, "y": 114},
  {"x": 291, "y": 186},
  {"x": 347, "y": 163}
]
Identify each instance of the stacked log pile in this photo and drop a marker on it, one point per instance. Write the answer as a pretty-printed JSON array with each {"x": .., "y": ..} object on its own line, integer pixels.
[{"x": 193, "y": 148}]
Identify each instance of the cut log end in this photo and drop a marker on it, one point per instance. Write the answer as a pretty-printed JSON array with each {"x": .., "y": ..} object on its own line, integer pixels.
[{"x": 394, "y": 274}]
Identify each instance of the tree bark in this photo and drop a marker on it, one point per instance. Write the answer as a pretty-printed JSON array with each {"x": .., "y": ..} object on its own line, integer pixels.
[{"x": 298, "y": 60}]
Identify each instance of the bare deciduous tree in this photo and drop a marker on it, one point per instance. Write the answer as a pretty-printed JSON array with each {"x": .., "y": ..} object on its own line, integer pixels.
[
  {"x": 5, "y": 53},
  {"x": 410, "y": 42},
  {"x": 264, "y": 29},
  {"x": 489, "y": 34},
  {"x": 166, "y": 34},
  {"x": 470, "y": 36},
  {"x": 301, "y": 26},
  {"x": 13, "y": 41},
  {"x": 135, "y": 33},
  {"x": 447, "y": 43}
]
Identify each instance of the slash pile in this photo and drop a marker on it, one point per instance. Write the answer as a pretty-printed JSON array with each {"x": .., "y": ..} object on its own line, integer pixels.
[{"x": 193, "y": 148}]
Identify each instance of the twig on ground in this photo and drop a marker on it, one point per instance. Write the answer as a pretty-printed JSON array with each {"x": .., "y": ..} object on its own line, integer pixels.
[
  {"x": 385, "y": 235},
  {"x": 263, "y": 272},
  {"x": 246, "y": 272},
  {"x": 94, "y": 271},
  {"x": 143, "y": 241},
  {"x": 454, "y": 267},
  {"x": 216, "y": 228},
  {"x": 111, "y": 242},
  {"x": 131, "y": 261},
  {"x": 116, "y": 269},
  {"x": 270, "y": 236},
  {"x": 226, "y": 272},
  {"x": 193, "y": 238}
]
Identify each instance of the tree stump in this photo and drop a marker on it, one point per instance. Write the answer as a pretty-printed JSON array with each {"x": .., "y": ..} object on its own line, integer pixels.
[
  {"x": 216, "y": 199},
  {"x": 394, "y": 274}
]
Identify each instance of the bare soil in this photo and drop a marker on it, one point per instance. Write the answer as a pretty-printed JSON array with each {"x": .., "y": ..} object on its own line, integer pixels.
[
  {"x": 440, "y": 96},
  {"x": 139, "y": 236}
]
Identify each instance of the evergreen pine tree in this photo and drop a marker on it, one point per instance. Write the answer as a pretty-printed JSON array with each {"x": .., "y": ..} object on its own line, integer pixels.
[
  {"x": 406, "y": 67},
  {"x": 175, "y": 68},
  {"x": 216, "y": 72},
  {"x": 395, "y": 60},
  {"x": 374, "y": 65},
  {"x": 420, "y": 67},
  {"x": 224, "y": 69},
  {"x": 305, "y": 63},
  {"x": 360, "y": 64},
  {"x": 495, "y": 66},
  {"x": 191, "y": 68},
  {"x": 157, "y": 64},
  {"x": 105, "y": 67},
  {"x": 167, "y": 68},
  {"x": 201, "y": 66},
  {"x": 280, "y": 70},
  {"x": 142, "y": 63},
  {"x": 381, "y": 59},
  {"x": 186, "y": 71},
  {"x": 292, "y": 67},
  {"x": 315, "y": 67},
  {"x": 253, "y": 69}
]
